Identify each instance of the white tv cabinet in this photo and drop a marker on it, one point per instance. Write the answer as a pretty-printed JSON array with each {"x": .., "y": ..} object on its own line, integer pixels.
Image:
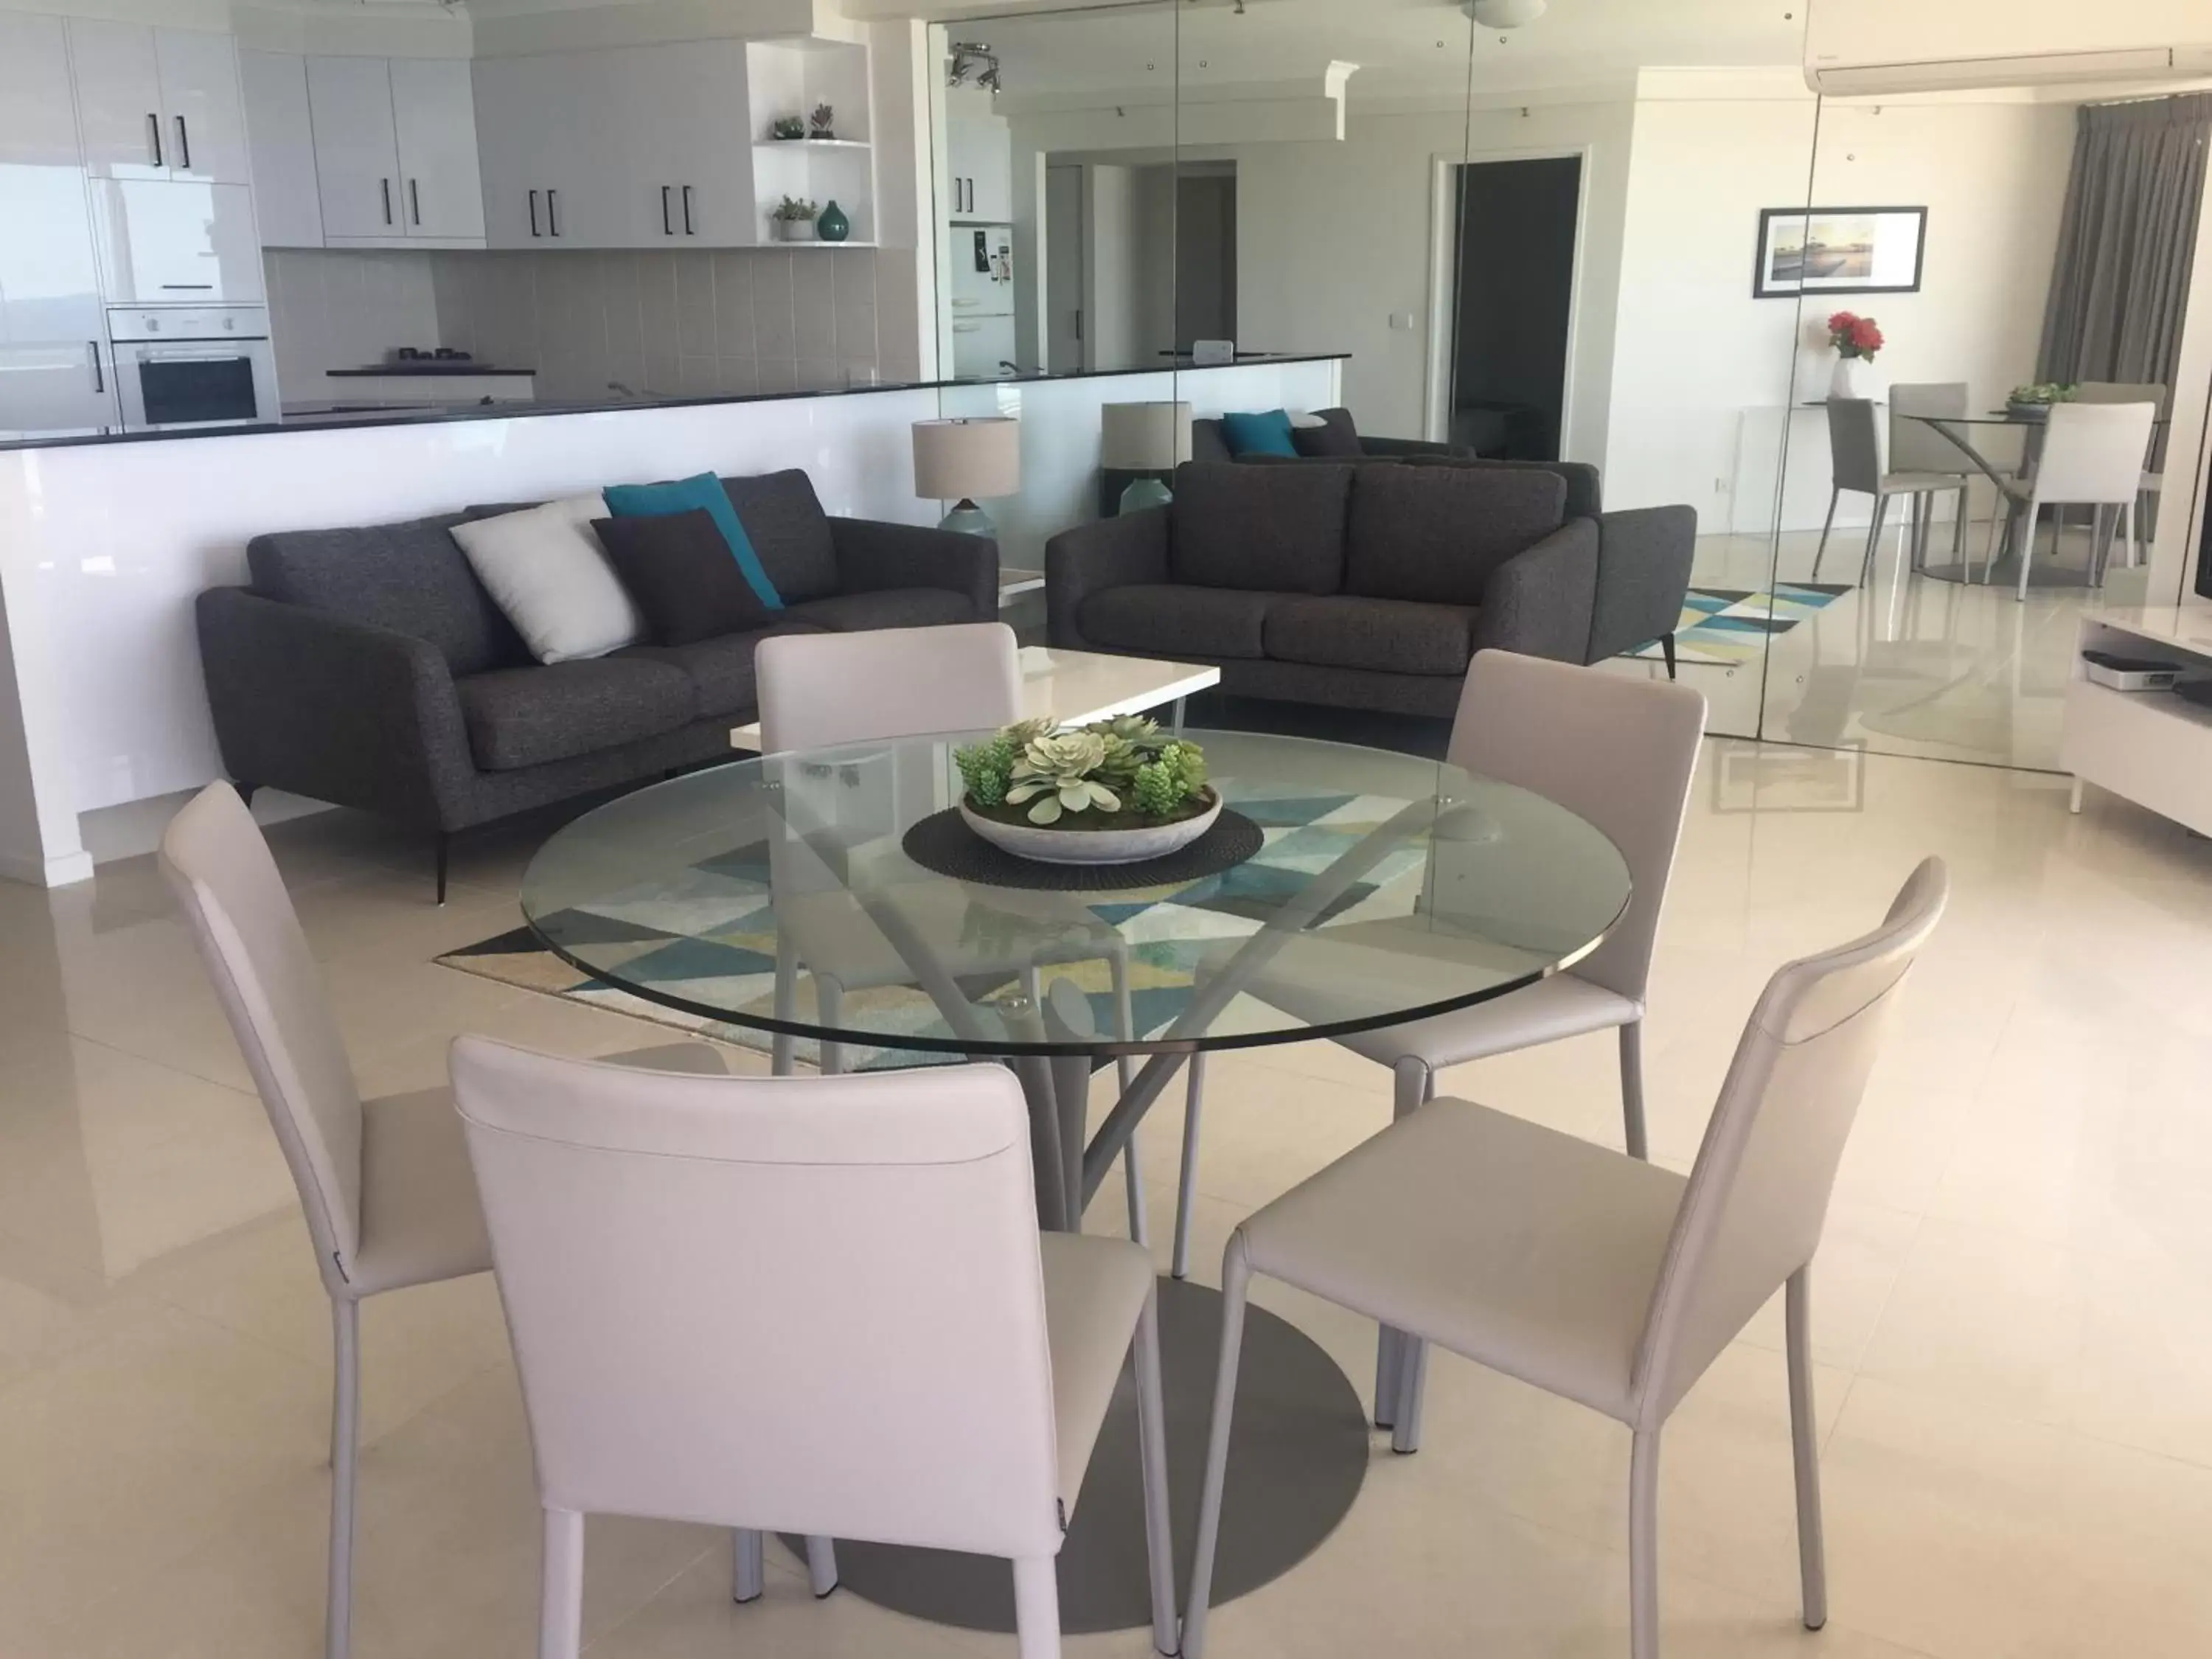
[{"x": 2151, "y": 747}]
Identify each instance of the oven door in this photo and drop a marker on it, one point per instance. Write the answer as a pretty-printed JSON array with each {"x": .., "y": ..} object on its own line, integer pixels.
[{"x": 193, "y": 385}]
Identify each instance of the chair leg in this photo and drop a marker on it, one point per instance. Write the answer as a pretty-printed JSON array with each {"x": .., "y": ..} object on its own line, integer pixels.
[
  {"x": 2130, "y": 530},
  {"x": 345, "y": 1444},
  {"x": 1194, "y": 1095},
  {"x": 1153, "y": 1448},
  {"x": 1037, "y": 1607},
  {"x": 1413, "y": 1085},
  {"x": 1666, "y": 650},
  {"x": 782, "y": 1046},
  {"x": 1643, "y": 1546},
  {"x": 1826, "y": 525},
  {"x": 829, "y": 1002},
  {"x": 1959, "y": 528},
  {"x": 560, "y": 1587},
  {"x": 1133, "y": 1172},
  {"x": 749, "y": 1566},
  {"x": 821, "y": 1565},
  {"x": 444, "y": 846},
  {"x": 2027, "y": 548},
  {"x": 1632, "y": 1087},
  {"x": 1874, "y": 540},
  {"x": 1236, "y": 1286},
  {"x": 1804, "y": 1440},
  {"x": 1412, "y": 1385}
]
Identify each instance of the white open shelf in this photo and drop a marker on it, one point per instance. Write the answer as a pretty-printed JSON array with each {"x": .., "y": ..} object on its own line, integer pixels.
[
  {"x": 811, "y": 143},
  {"x": 2151, "y": 747},
  {"x": 788, "y": 78}
]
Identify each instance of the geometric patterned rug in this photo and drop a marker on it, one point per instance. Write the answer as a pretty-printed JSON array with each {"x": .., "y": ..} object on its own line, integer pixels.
[
  {"x": 706, "y": 934},
  {"x": 1727, "y": 627}
]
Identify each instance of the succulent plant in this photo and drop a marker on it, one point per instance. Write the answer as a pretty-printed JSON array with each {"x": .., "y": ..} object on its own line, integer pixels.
[
  {"x": 1054, "y": 771},
  {"x": 1106, "y": 767}
]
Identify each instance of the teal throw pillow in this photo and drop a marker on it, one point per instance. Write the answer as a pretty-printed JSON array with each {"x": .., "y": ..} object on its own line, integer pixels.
[
  {"x": 702, "y": 494},
  {"x": 1259, "y": 435}
]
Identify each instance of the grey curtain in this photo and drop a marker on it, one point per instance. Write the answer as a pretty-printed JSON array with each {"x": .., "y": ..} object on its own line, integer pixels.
[{"x": 2127, "y": 241}]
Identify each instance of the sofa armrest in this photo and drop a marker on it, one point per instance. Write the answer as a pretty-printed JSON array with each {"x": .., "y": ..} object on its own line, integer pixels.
[
  {"x": 1643, "y": 556},
  {"x": 1123, "y": 552},
  {"x": 1401, "y": 447},
  {"x": 873, "y": 554},
  {"x": 1538, "y": 602},
  {"x": 309, "y": 701}
]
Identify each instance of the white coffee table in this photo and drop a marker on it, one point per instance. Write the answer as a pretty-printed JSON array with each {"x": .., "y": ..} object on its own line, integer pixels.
[{"x": 1076, "y": 687}]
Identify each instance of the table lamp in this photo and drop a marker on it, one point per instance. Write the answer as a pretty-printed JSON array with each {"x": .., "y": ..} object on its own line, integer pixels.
[
  {"x": 1147, "y": 438},
  {"x": 959, "y": 460}
]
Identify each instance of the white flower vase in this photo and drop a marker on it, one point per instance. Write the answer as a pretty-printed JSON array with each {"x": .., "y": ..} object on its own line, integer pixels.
[{"x": 1853, "y": 376}]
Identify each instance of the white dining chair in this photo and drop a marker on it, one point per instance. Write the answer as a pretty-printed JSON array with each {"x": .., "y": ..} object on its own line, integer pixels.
[
  {"x": 384, "y": 1183},
  {"x": 1917, "y": 447},
  {"x": 818, "y": 1304},
  {"x": 825, "y": 691},
  {"x": 2154, "y": 481},
  {"x": 1598, "y": 1277},
  {"x": 1855, "y": 464},
  {"x": 1618, "y": 752},
  {"x": 2092, "y": 455}
]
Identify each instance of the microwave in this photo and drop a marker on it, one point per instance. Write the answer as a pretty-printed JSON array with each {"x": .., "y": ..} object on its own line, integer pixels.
[{"x": 178, "y": 367}]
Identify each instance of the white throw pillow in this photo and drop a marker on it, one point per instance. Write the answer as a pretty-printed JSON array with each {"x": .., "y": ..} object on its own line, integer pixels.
[{"x": 545, "y": 569}]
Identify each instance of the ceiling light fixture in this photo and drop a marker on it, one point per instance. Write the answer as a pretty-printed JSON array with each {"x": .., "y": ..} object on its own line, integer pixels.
[
  {"x": 974, "y": 59},
  {"x": 1504, "y": 14}
]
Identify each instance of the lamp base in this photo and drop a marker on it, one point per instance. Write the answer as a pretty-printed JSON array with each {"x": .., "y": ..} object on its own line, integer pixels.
[
  {"x": 1143, "y": 493},
  {"x": 968, "y": 520}
]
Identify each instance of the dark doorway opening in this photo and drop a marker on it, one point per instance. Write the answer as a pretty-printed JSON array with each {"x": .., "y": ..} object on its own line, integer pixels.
[{"x": 1517, "y": 222}]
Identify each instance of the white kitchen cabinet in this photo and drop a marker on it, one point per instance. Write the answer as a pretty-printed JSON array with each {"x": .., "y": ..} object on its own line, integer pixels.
[
  {"x": 356, "y": 146},
  {"x": 155, "y": 103},
  {"x": 163, "y": 243},
  {"x": 435, "y": 116},
  {"x": 548, "y": 148},
  {"x": 281, "y": 146},
  {"x": 979, "y": 152},
  {"x": 685, "y": 153}
]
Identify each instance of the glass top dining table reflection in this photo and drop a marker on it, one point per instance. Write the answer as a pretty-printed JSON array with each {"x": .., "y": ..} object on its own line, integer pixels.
[{"x": 775, "y": 893}]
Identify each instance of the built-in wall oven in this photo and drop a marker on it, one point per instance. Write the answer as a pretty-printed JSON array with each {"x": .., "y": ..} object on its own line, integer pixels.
[{"x": 180, "y": 367}]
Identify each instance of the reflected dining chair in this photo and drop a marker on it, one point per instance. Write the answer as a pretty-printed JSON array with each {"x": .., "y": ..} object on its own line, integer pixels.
[
  {"x": 384, "y": 1183},
  {"x": 2154, "y": 482},
  {"x": 2092, "y": 455},
  {"x": 1597, "y": 1278},
  {"x": 1855, "y": 464},
  {"x": 1620, "y": 752},
  {"x": 1917, "y": 447},
  {"x": 818, "y": 1304}
]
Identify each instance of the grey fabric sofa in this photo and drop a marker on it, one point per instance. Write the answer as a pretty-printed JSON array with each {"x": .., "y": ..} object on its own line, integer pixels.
[
  {"x": 1370, "y": 584},
  {"x": 368, "y": 667}
]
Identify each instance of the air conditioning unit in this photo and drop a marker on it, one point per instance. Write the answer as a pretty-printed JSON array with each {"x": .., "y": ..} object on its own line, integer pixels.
[
  {"x": 1857, "y": 48},
  {"x": 2039, "y": 69}
]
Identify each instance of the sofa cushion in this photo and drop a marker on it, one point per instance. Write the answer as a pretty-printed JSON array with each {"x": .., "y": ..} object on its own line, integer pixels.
[
  {"x": 1585, "y": 491},
  {"x": 789, "y": 531},
  {"x": 411, "y": 578},
  {"x": 1266, "y": 431},
  {"x": 886, "y": 607},
  {"x": 1436, "y": 532},
  {"x": 1331, "y": 437},
  {"x": 720, "y": 671},
  {"x": 1264, "y": 529},
  {"x": 1164, "y": 620},
  {"x": 546, "y": 570},
  {"x": 679, "y": 570},
  {"x": 1392, "y": 636},
  {"x": 702, "y": 492},
  {"x": 520, "y": 717}
]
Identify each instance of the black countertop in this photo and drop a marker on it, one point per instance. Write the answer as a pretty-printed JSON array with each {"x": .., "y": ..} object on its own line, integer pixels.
[
  {"x": 424, "y": 366},
  {"x": 326, "y": 420}
]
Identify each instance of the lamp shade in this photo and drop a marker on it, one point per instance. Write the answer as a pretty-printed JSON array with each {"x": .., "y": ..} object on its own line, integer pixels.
[
  {"x": 1144, "y": 437},
  {"x": 966, "y": 460}
]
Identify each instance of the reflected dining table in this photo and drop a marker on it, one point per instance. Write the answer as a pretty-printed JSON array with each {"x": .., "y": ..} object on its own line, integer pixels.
[{"x": 824, "y": 902}]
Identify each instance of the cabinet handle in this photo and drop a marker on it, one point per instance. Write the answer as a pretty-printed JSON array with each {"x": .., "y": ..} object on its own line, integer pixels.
[
  {"x": 99, "y": 380},
  {"x": 153, "y": 132},
  {"x": 687, "y": 210},
  {"x": 533, "y": 214},
  {"x": 552, "y": 212},
  {"x": 384, "y": 185},
  {"x": 414, "y": 201},
  {"x": 184, "y": 144},
  {"x": 666, "y": 229}
]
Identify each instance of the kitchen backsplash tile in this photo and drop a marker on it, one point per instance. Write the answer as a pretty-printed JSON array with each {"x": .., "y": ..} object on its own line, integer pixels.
[{"x": 682, "y": 323}]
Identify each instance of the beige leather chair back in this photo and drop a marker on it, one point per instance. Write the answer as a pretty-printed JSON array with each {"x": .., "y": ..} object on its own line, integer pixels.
[
  {"x": 1915, "y": 445},
  {"x": 1617, "y": 751},
  {"x": 249, "y": 936},
  {"x": 2094, "y": 452},
  {"x": 1758, "y": 1195},
  {"x": 820, "y": 690},
  {"x": 806, "y": 1305}
]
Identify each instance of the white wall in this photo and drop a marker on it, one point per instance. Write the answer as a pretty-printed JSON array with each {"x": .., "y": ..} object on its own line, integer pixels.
[{"x": 1114, "y": 275}]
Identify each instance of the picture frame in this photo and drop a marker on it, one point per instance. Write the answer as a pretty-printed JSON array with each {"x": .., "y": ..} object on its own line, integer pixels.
[{"x": 1840, "y": 250}]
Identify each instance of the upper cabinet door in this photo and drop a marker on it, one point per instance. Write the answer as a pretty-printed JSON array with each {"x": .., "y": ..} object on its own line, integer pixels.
[
  {"x": 203, "y": 120},
  {"x": 49, "y": 279},
  {"x": 356, "y": 147},
  {"x": 699, "y": 145},
  {"x": 118, "y": 99},
  {"x": 434, "y": 110},
  {"x": 281, "y": 141},
  {"x": 177, "y": 243}
]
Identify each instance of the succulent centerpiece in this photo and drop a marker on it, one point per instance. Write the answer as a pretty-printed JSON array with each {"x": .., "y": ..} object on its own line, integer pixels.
[{"x": 1111, "y": 792}]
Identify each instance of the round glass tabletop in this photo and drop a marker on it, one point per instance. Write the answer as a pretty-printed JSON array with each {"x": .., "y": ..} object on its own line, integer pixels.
[{"x": 774, "y": 894}]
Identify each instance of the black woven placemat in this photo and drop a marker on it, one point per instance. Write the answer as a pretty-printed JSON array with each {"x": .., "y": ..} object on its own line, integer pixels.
[{"x": 943, "y": 843}]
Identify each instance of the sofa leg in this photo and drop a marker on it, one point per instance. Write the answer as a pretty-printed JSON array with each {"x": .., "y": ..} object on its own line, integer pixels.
[
  {"x": 445, "y": 845},
  {"x": 1666, "y": 647}
]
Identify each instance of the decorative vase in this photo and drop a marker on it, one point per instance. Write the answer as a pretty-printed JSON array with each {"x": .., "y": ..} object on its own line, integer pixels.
[
  {"x": 833, "y": 226},
  {"x": 1092, "y": 847},
  {"x": 794, "y": 230},
  {"x": 1144, "y": 492},
  {"x": 1853, "y": 376}
]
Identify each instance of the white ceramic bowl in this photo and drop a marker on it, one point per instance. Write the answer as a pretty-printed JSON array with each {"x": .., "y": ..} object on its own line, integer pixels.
[{"x": 1091, "y": 846}]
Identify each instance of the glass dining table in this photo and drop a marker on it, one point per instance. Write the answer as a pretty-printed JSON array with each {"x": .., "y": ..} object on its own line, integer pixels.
[{"x": 815, "y": 903}]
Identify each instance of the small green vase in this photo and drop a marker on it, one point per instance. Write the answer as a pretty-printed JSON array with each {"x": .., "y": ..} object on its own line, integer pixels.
[{"x": 833, "y": 226}]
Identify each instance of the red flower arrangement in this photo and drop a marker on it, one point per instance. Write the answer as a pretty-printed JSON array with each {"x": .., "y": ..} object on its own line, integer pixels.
[{"x": 1854, "y": 336}]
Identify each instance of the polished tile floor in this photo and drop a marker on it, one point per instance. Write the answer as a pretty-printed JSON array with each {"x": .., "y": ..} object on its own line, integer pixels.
[{"x": 2014, "y": 1306}]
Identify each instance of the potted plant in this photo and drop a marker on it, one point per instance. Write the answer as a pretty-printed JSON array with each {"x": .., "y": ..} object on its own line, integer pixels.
[
  {"x": 1856, "y": 339},
  {"x": 794, "y": 220},
  {"x": 824, "y": 120},
  {"x": 1116, "y": 792},
  {"x": 788, "y": 127},
  {"x": 2033, "y": 402}
]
